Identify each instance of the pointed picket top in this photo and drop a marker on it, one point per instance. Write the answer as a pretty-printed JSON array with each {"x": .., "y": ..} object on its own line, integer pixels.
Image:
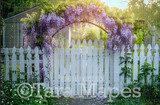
[
  {"x": 90, "y": 43},
  {"x": 142, "y": 47},
  {"x": 149, "y": 47},
  {"x": 122, "y": 52},
  {"x": 67, "y": 43},
  {"x": 95, "y": 43},
  {"x": 21, "y": 50},
  {"x": 6, "y": 51},
  {"x": 156, "y": 47},
  {"x": 73, "y": 43},
  {"x": 14, "y": 50},
  {"x": 43, "y": 50},
  {"x": 36, "y": 49},
  {"x": 84, "y": 42},
  {"x": 129, "y": 50},
  {"x": 135, "y": 47},
  {"x": 78, "y": 42},
  {"x": 101, "y": 43},
  {"x": 29, "y": 48}
]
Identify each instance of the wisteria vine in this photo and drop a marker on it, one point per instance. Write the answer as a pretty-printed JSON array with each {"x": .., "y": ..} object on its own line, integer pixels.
[{"x": 41, "y": 33}]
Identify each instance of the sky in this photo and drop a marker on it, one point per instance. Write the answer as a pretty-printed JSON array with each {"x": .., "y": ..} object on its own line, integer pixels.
[{"x": 122, "y": 4}]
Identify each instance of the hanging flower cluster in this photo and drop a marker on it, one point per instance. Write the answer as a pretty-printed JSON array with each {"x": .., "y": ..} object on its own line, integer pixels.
[{"x": 41, "y": 33}]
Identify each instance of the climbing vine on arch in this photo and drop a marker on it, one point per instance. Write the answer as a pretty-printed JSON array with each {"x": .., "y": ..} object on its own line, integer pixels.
[{"x": 40, "y": 27}]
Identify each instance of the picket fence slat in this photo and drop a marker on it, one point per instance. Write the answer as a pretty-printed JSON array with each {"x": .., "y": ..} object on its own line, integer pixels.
[
  {"x": 142, "y": 58},
  {"x": 56, "y": 71},
  {"x": 106, "y": 79},
  {"x": 14, "y": 64},
  {"x": 51, "y": 71},
  {"x": 116, "y": 70},
  {"x": 149, "y": 61},
  {"x": 135, "y": 63},
  {"x": 89, "y": 68},
  {"x": 22, "y": 70},
  {"x": 61, "y": 68},
  {"x": 121, "y": 66},
  {"x": 6, "y": 64},
  {"x": 129, "y": 65},
  {"x": 83, "y": 69},
  {"x": 100, "y": 74},
  {"x": 29, "y": 66},
  {"x": 46, "y": 69},
  {"x": 156, "y": 60},
  {"x": 67, "y": 68},
  {"x": 73, "y": 69},
  {"x": 36, "y": 62},
  {"x": 95, "y": 68},
  {"x": 78, "y": 67},
  {"x": 111, "y": 65}
]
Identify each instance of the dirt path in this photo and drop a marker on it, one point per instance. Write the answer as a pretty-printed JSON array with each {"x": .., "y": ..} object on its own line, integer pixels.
[{"x": 94, "y": 101}]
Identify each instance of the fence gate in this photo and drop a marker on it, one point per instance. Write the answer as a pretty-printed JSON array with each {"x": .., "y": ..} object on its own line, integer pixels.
[{"x": 83, "y": 69}]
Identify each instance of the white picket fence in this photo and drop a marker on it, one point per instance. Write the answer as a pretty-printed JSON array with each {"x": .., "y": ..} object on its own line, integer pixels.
[{"x": 81, "y": 69}]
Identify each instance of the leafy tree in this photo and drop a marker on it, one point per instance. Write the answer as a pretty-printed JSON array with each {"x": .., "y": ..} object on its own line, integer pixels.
[{"x": 148, "y": 14}]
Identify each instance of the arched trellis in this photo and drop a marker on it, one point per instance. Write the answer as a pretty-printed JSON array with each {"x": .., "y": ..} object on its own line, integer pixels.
[
  {"x": 39, "y": 29},
  {"x": 81, "y": 22}
]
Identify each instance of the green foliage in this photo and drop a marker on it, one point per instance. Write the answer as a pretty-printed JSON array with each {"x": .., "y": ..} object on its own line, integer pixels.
[
  {"x": 138, "y": 33},
  {"x": 12, "y": 7},
  {"x": 92, "y": 34},
  {"x": 145, "y": 70},
  {"x": 148, "y": 12},
  {"x": 76, "y": 37},
  {"x": 103, "y": 35},
  {"x": 125, "y": 101},
  {"x": 150, "y": 94},
  {"x": 126, "y": 70},
  {"x": 10, "y": 94}
]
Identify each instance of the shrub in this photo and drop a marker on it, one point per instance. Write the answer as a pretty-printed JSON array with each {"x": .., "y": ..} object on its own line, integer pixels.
[{"x": 92, "y": 34}]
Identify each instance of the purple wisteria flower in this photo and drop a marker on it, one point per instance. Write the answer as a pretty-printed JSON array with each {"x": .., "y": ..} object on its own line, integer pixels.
[{"x": 41, "y": 33}]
